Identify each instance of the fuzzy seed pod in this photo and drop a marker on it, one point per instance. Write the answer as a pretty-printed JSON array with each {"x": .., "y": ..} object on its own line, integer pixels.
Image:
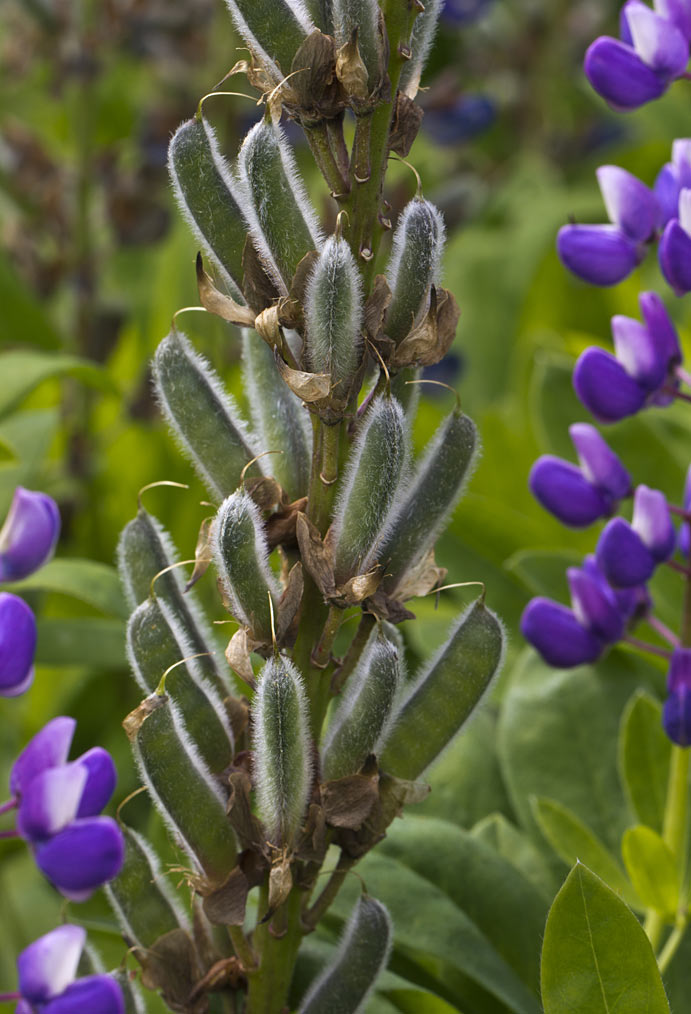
[
  {"x": 414, "y": 266},
  {"x": 273, "y": 29},
  {"x": 363, "y": 16},
  {"x": 421, "y": 39},
  {"x": 444, "y": 693},
  {"x": 185, "y": 792},
  {"x": 371, "y": 484},
  {"x": 278, "y": 417},
  {"x": 363, "y": 713},
  {"x": 344, "y": 986},
  {"x": 201, "y": 414},
  {"x": 239, "y": 549},
  {"x": 282, "y": 749},
  {"x": 282, "y": 221},
  {"x": 333, "y": 314},
  {"x": 140, "y": 895},
  {"x": 321, "y": 13},
  {"x": 154, "y": 643},
  {"x": 203, "y": 186},
  {"x": 433, "y": 493}
]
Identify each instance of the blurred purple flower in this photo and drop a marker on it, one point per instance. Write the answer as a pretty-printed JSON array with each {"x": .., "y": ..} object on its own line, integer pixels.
[
  {"x": 29, "y": 535},
  {"x": 676, "y": 713},
  {"x": 17, "y": 645},
  {"x": 675, "y": 247},
  {"x": 464, "y": 119}
]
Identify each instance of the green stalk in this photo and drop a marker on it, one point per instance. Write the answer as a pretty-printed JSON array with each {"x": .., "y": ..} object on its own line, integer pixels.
[{"x": 277, "y": 948}]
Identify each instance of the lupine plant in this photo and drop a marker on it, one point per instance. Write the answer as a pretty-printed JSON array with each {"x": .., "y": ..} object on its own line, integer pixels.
[{"x": 278, "y": 763}]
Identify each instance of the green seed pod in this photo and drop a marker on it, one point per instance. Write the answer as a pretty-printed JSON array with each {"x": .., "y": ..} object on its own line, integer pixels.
[
  {"x": 144, "y": 550},
  {"x": 282, "y": 749},
  {"x": 278, "y": 416},
  {"x": 344, "y": 986},
  {"x": 273, "y": 29},
  {"x": 444, "y": 693},
  {"x": 185, "y": 792},
  {"x": 362, "y": 716},
  {"x": 421, "y": 40},
  {"x": 414, "y": 265},
  {"x": 154, "y": 643},
  {"x": 204, "y": 186},
  {"x": 282, "y": 221},
  {"x": 131, "y": 992},
  {"x": 201, "y": 414},
  {"x": 333, "y": 314},
  {"x": 371, "y": 483},
  {"x": 321, "y": 14},
  {"x": 140, "y": 895},
  {"x": 363, "y": 15},
  {"x": 433, "y": 493},
  {"x": 241, "y": 555}
]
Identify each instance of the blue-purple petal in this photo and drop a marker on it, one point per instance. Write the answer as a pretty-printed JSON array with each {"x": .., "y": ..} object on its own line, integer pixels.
[
  {"x": 660, "y": 325},
  {"x": 618, "y": 74},
  {"x": 622, "y": 556},
  {"x": 657, "y": 41},
  {"x": 555, "y": 632},
  {"x": 594, "y": 605},
  {"x": 679, "y": 672},
  {"x": 604, "y": 386},
  {"x": 653, "y": 523},
  {"x": 17, "y": 644},
  {"x": 94, "y": 994},
  {"x": 29, "y": 535},
  {"x": 564, "y": 491},
  {"x": 85, "y": 855},
  {"x": 50, "y": 801},
  {"x": 599, "y": 464},
  {"x": 599, "y": 254},
  {"x": 629, "y": 203},
  {"x": 678, "y": 12},
  {"x": 675, "y": 257},
  {"x": 48, "y": 748},
  {"x": 639, "y": 353},
  {"x": 666, "y": 189},
  {"x": 676, "y": 717},
  {"x": 100, "y": 783},
  {"x": 48, "y": 965}
]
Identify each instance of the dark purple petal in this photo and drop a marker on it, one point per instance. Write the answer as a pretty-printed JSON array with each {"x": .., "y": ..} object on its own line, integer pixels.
[
  {"x": 564, "y": 491},
  {"x": 653, "y": 523},
  {"x": 556, "y": 633},
  {"x": 48, "y": 965},
  {"x": 629, "y": 203},
  {"x": 95, "y": 994},
  {"x": 676, "y": 11},
  {"x": 621, "y": 555},
  {"x": 599, "y": 464},
  {"x": 679, "y": 673},
  {"x": 100, "y": 783},
  {"x": 684, "y": 531},
  {"x": 594, "y": 605},
  {"x": 82, "y": 857},
  {"x": 604, "y": 386},
  {"x": 600, "y": 254},
  {"x": 29, "y": 535},
  {"x": 639, "y": 353},
  {"x": 676, "y": 717},
  {"x": 666, "y": 189},
  {"x": 675, "y": 257},
  {"x": 660, "y": 326},
  {"x": 47, "y": 749},
  {"x": 629, "y": 601},
  {"x": 50, "y": 801},
  {"x": 657, "y": 41},
  {"x": 618, "y": 74},
  {"x": 17, "y": 645}
]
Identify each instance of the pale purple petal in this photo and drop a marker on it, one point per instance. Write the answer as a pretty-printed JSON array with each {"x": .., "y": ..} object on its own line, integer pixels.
[
  {"x": 600, "y": 254},
  {"x": 85, "y": 855},
  {"x": 48, "y": 748},
  {"x": 100, "y": 785},
  {"x": 564, "y": 491},
  {"x": 622, "y": 556},
  {"x": 658, "y": 42},
  {"x": 17, "y": 644},
  {"x": 681, "y": 160},
  {"x": 660, "y": 326},
  {"x": 94, "y": 994},
  {"x": 594, "y": 604},
  {"x": 29, "y": 535},
  {"x": 48, "y": 965},
  {"x": 50, "y": 801},
  {"x": 599, "y": 464},
  {"x": 652, "y": 521},
  {"x": 605, "y": 388},
  {"x": 675, "y": 257},
  {"x": 676, "y": 11},
  {"x": 558, "y": 636},
  {"x": 638, "y": 352},
  {"x": 666, "y": 190},
  {"x": 629, "y": 203},
  {"x": 618, "y": 74}
]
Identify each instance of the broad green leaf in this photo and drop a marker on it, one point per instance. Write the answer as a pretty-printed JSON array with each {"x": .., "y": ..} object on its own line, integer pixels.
[
  {"x": 596, "y": 959},
  {"x": 97, "y": 584},
  {"x": 652, "y": 868},
  {"x": 518, "y": 849},
  {"x": 644, "y": 757},
  {"x": 22, "y": 371},
  {"x": 23, "y": 318},
  {"x": 98, "y": 644}
]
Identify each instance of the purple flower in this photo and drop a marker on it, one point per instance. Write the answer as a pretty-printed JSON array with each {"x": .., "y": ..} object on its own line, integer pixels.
[
  {"x": 29, "y": 535},
  {"x": 464, "y": 12},
  {"x": 48, "y": 748},
  {"x": 678, "y": 12},
  {"x": 557, "y": 634},
  {"x": 685, "y": 531},
  {"x": 653, "y": 523},
  {"x": 463, "y": 119},
  {"x": 599, "y": 464},
  {"x": 17, "y": 645},
  {"x": 599, "y": 254},
  {"x": 47, "y": 971},
  {"x": 673, "y": 176},
  {"x": 627, "y": 554},
  {"x": 86, "y": 854},
  {"x": 676, "y": 713},
  {"x": 675, "y": 247}
]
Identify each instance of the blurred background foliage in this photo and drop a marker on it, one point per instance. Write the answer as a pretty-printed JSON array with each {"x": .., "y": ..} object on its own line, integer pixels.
[{"x": 94, "y": 261}]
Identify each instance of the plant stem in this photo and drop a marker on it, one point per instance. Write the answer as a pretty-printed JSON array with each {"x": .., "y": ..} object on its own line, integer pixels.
[
  {"x": 314, "y": 914},
  {"x": 243, "y": 948},
  {"x": 270, "y": 982},
  {"x": 672, "y": 944},
  {"x": 319, "y": 141},
  {"x": 353, "y": 654}
]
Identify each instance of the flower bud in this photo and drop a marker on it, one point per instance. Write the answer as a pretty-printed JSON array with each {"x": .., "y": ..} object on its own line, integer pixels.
[
  {"x": 362, "y": 955},
  {"x": 599, "y": 254},
  {"x": 273, "y": 29},
  {"x": 445, "y": 693},
  {"x": 630, "y": 205},
  {"x": 421, "y": 39},
  {"x": 17, "y": 645},
  {"x": 362, "y": 715},
  {"x": 282, "y": 221},
  {"x": 605, "y": 388},
  {"x": 595, "y": 604},
  {"x": 658, "y": 41},
  {"x": 371, "y": 483},
  {"x": 653, "y": 523},
  {"x": 333, "y": 315},
  {"x": 361, "y": 16},
  {"x": 564, "y": 491},
  {"x": 414, "y": 266},
  {"x": 29, "y": 535},
  {"x": 620, "y": 76},
  {"x": 558, "y": 635},
  {"x": 599, "y": 464},
  {"x": 622, "y": 556},
  {"x": 282, "y": 749}
]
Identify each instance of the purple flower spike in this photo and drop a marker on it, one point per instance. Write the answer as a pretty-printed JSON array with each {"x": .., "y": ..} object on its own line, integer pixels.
[
  {"x": 638, "y": 352},
  {"x": 17, "y": 645},
  {"x": 48, "y": 965},
  {"x": 95, "y": 993},
  {"x": 564, "y": 491},
  {"x": 558, "y": 636},
  {"x": 605, "y": 388},
  {"x": 47, "y": 749},
  {"x": 622, "y": 556},
  {"x": 652, "y": 522},
  {"x": 85, "y": 855},
  {"x": 600, "y": 254},
  {"x": 599, "y": 464},
  {"x": 100, "y": 782},
  {"x": 595, "y": 605},
  {"x": 29, "y": 535},
  {"x": 50, "y": 801},
  {"x": 678, "y": 12},
  {"x": 618, "y": 74},
  {"x": 629, "y": 203},
  {"x": 657, "y": 41}
]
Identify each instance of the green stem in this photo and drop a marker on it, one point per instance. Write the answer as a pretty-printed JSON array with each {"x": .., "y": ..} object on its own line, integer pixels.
[
  {"x": 672, "y": 944},
  {"x": 320, "y": 144},
  {"x": 314, "y": 914},
  {"x": 242, "y": 947},
  {"x": 352, "y": 657},
  {"x": 268, "y": 986}
]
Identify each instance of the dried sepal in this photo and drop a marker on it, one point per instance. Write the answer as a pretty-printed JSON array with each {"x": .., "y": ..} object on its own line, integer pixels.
[
  {"x": 350, "y": 800},
  {"x": 273, "y": 30},
  {"x": 316, "y": 556},
  {"x": 218, "y": 303},
  {"x": 238, "y": 656},
  {"x": 314, "y": 84},
  {"x": 351, "y": 70},
  {"x": 362, "y": 51},
  {"x": 310, "y": 387},
  {"x": 414, "y": 266},
  {"x": 429, "y": 342},
  {"x": 406, "y": 122}
]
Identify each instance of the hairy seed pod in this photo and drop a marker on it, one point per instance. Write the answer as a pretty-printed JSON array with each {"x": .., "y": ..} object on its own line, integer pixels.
[
  {"x": 362, "y": 715},
  {"x": 201, "y": 414},
  {"x": 185, "y": 792},
  {"x": 140, "y": 895},
  {"x": 282, "y": 221},
  {"x": 145, "y": 550},
  {"x": 433, "y": 493},
  {"x": 154, "y": 643},
  {"x": 421, "y": 40},
  {"x": 333, "y": 314},
  {"x": 241, "y": 555},
  {"x": 344, "y": 986},
  {"x": 278, "y": 416},
  {"x": 273, "y": 30},
  {"x": 371, "y": 483},
  {"x": 321, "y": 13},
  {"x": 131, "y": 991},
  {"x": 204, "y": 186},
  {"x": 445, "y": 692},
  {"x": 282, "y": 749},
  {"x": 414, "y": 266},
  {"x": 363, "y": 16}
]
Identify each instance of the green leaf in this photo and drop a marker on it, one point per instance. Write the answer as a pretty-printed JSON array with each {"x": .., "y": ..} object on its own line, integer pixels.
[
  {"x": 542, "y": 571},
  {"x": 596, "y": 959},
  {"x": 518, "y": 849},
  {"x": 573, "y": 841},
  {"x": 97, "y": 644},
  {"x": 21, "y": 372},
  {"x": 23, "y": 319},
  {"x": 644, "y": 758},
  {"x": 97, "y": 584},
  {"x": 652, "y": 868}
]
